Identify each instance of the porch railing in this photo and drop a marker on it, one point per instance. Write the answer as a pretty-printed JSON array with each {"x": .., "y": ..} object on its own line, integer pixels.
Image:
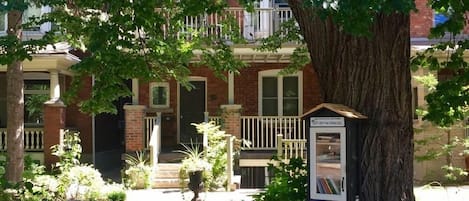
[
  {"x": 33, "y": 139},
  {"x": 261, "y": 131},
  {"x": 259, "y": 24},
  {"x": 155, "y": 140},
  {"x": 151, "y": 123}
]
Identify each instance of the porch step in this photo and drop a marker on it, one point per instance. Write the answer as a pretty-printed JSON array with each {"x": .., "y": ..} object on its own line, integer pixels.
[{"x": 167, "y": 175}]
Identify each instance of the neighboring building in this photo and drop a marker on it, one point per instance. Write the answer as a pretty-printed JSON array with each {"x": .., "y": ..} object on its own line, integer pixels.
[{"x": 254, "y": 105}]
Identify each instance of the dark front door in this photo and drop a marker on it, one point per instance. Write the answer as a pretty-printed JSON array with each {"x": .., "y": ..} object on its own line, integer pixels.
[{"x": 192, "y": 108}]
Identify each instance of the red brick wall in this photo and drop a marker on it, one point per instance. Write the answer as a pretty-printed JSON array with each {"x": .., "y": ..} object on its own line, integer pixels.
[
  {"x": 79, "y": 120},
  {"x": 246, "y": 87},
  {"x": 134, "y": 126},
  {"x": 422, "y": 20},
  {"x": 54, "y": 121}
]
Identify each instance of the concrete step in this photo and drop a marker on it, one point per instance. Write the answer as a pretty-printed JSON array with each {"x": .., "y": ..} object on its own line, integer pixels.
[
  {"x": 167, "y": 175},
  {"x": 166, "y": 183}
]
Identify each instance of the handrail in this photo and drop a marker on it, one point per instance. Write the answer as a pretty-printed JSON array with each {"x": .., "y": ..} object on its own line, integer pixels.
[{"x": 155, "y": 141}]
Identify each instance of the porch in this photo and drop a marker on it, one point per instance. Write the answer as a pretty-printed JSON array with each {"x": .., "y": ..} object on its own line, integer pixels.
[
  {"x": 33, "y": 142},
  {"x": 267, "y": 136}
]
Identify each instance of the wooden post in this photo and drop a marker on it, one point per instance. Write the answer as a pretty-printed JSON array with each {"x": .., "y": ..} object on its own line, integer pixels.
[
  {"x": 279, "y": 145},
  {"x": 229, "y": 163}
]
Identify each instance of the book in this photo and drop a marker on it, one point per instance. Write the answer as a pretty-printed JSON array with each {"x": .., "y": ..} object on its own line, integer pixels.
[{"x": 332, "y": 185}]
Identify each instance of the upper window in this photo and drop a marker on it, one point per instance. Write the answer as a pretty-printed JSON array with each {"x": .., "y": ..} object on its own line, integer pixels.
[
  {"x": 279, "y": 95},
  {"x": 30, "y": 12},
  {"x": 159, "y": 94}
]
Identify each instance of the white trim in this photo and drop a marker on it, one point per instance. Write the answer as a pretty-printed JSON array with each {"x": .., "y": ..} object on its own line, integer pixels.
[
  {"x": 230, "y": 87},
  {"x": 312, "y": 158},
  {"x": 159, "y": 84},
  {"x": 178, "y": 113},
  {"x": 135, "y": 91},
  {"x": 274, "y": 73}
]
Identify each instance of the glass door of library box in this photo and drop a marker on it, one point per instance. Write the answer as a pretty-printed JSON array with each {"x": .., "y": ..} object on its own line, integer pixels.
[{"x": 327, "y": 163}]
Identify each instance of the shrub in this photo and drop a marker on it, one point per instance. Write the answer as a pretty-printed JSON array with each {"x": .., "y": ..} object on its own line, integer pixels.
[
  {"x": 290, "y": 182},
  {"x": 138, "y": 173}
]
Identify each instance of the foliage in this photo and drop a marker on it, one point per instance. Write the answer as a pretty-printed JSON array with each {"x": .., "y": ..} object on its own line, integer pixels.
[
  {"x": 193, "y": 161},
  {"x": 448, "y": 102},
  {"x": 290, "y": 181},
  {"x": 138, "y": 173},
  {"x": 69, "y": 151},
  {"x": 72, "y": 182},
  {"x": 34, "y": 104},
  {"x": 445, "y": 146}
]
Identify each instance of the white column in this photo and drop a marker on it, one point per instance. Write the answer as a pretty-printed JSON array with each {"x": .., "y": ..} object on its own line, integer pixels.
[
  {"x": 135, "y": 91},
  {"x": 230, "y": 87},
  {"x": 54, "y": 85}
]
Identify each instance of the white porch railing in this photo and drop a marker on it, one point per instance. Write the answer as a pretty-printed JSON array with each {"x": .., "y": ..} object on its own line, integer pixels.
[
  {"x": 155, "y": 140},
  {"x": 261, "y": 131},
  {"x": 33, "y": 139},
  {"x": 258, "y": 24},
  {"x": 150, "y": 123},
  {"x": 290, "y": 148}
]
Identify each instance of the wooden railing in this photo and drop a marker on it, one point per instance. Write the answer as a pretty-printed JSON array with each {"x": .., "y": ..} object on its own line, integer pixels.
[
  {"x": 155, "y": 141},
  {"x": 290, "y": 148},
  {"x": 150, "y": 124},
  {"x": 261, "y": 131},
  {"x": 33, "y": 139},
  {"x": 259, "y": 24}
]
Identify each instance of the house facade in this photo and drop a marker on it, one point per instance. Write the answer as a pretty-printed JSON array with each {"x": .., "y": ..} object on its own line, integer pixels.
[{"x": 255, "y": 105}]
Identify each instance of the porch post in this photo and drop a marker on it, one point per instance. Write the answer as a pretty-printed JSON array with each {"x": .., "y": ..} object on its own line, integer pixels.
[
  {"x": 231, "y": 116},
  {"x": 230, "y": 87},
  {"x": 134, "y": 127},
  {"x": 54, "y": 85},
  {"x": 135, "y": 92},
  {"x": 54, "y": 123}
]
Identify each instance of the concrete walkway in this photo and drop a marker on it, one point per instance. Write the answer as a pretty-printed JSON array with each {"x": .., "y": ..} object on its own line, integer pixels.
[
  {"x": 424, "y": 193},
  {"x": 176, "y": 195}
]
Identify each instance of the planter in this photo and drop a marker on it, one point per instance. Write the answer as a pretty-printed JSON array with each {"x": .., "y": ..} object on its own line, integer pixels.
[{"x": 195, "y": 183}]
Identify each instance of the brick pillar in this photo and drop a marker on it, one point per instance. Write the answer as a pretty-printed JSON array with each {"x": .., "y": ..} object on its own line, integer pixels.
[
  {"x": 134, "y": 127},
  {"x": 54, "y": 122},
  {"x": 231, "y": 116}
]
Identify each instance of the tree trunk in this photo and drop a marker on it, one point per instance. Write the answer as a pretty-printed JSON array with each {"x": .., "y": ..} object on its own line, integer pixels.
[
  {"x": 15, "y": 106},
  {"x": 371, "y": 75}
]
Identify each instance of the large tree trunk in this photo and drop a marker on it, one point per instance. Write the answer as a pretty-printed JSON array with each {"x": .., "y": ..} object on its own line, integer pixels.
[
  {"x": 371, "y": 75},
  {"x": 15, "y": 107}
]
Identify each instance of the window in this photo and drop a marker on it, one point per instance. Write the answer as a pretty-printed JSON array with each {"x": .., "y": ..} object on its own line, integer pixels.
[
  {"x": 36, "y": 92},
  {"x": 159, "y": 94},
  {"x": 279, "y": 95},
  {"x": 32, "y": 12}
]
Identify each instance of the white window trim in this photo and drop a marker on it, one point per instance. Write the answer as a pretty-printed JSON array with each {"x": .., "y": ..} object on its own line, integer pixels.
[
  {"x": 274, "y": 73},
  {"x": 43, "y": 28},
  {"x": 159, "y": 84}
]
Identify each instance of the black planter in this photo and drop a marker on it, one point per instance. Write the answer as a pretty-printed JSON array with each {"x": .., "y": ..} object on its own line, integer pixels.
[{"x": 195, "y": 183}]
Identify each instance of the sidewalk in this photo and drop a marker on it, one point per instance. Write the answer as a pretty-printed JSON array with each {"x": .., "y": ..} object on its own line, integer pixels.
[
  {"x": 176, "y": 195},
  {"x": 422, "y": 193}
]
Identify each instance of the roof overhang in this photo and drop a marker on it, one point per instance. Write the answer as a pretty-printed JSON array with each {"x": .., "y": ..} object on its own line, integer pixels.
[{"x": 48, "y": 62}]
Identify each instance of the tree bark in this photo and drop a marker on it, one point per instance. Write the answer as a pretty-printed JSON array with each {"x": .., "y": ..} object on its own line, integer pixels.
[
  {"x": 15, "y": 106},
  {"x": 371, "y": 75}
]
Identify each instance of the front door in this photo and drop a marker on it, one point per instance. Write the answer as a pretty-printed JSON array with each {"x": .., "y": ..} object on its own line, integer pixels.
[{"x": 192, "y": 108}]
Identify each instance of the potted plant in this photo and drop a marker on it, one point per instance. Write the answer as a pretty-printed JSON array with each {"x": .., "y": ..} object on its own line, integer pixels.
[
  {"x": 138, "y": 173},
  {"x": 193, "y": 167}
]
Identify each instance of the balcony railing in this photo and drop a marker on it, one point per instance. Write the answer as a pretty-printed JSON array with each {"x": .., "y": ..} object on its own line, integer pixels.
[
  {"x": 261, "y": 23},
  {"x": 33, "y": 139}
]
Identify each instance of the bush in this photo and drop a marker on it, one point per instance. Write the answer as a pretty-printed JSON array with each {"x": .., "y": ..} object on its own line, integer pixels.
[
  {"x": 290, "y": 182},
  {"x": 138, "y": 173}
]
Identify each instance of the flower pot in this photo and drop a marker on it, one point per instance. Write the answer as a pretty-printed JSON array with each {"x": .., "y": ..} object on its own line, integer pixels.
[{"x": 195, "y": 183}]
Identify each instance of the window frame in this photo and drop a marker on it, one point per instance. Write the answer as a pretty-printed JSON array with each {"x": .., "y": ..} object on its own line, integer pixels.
[
  {"x": 280, "y": 96},
  {"x": 35, "y": 92},
  {"x": 43, "y": 28},
  {"x": 159, "y": 84}
]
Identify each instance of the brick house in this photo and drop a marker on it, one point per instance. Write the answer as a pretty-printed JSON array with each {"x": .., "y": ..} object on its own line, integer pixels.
[{"x": 254, "y": 105}]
